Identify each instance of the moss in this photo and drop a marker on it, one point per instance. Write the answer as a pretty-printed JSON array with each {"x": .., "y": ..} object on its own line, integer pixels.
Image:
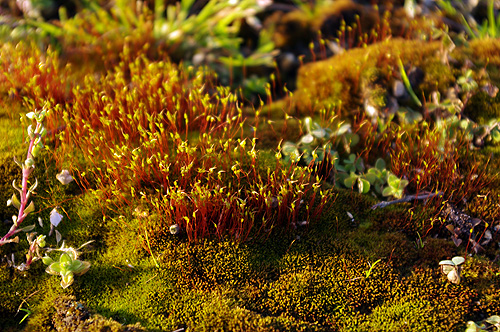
[
  {"x": 451, "y": 303},
  {"x": 9, "y": 171},
  {"x": 484, "y": 53},
  {"x": 398, "y": 316},
  {"x": 481, "y": 107},
  {"x": 222, "y": 314},
  {"x": 435, "y": 250},
  {"x": 336, "y": 81},
  {"x": 72, "y": 315},
  {"x": 393, "y": 248},
  {"x": 322, "y": 276},
  {"x": 24, "y": 290},
  {"x": 12, "y": 132},
  {"x": 438, "y": 77}
]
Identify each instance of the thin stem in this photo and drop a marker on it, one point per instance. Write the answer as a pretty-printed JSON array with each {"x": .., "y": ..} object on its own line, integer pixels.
[{"x": 24, "y": 190}]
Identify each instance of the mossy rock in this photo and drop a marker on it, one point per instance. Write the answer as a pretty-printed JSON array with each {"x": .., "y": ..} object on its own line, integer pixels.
[
  {"x": 485, "y": 53},
  {"x": 481, "y": 107},
  {"x": 336, "y": 81}
]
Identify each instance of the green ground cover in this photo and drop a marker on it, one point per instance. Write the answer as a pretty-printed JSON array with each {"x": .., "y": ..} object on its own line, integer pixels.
[{"x": 211, "y": 210}]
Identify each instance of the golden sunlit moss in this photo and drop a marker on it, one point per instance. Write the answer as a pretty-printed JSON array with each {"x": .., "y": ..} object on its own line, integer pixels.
[
  {"x": 393, "y": 248},
  {"x": 391, "y": 316},
  {"x": 485, "y": 53},
  {"x": 336, "y": 81}
]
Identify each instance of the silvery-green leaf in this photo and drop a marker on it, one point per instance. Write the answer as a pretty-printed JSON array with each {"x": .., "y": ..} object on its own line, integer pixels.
[
  {"x": 456, "y": 240},
  {"x": 493, "y": 320},
  {"x": 65, "y": 258},
  {"x": 67, "y": 280},
  {"x": 457, "y": 260},
  {"x": 16, "y": 187},
  {"x": 47, "y": 260},
  {"x": 30, "y": 115},
  {"x": 31, "y": 132},
  {"x": 64, "y": 177},
  {"x": 472, "y": 327},
  {"x": 289, "y": 148},
  {"x": 14, "y": 201},
  {"x": 75, "y": 265},
  {"x": 33, "y": 187},
  {"x": 82, "y": 268},
  {"x": 307, "y": 139},
  {"x": 30, "y": 162},
  {"x": 27, "y": 228},
  {"x": 30, "y": 208},
  {"x": 343, "y": 129},
  {"x": 54, "y": 268},
  {"x": 36, "y": 149},
  {"x": 58, "y": 237},
  {"x": 40, "y": 222},
  {"x": 380, "y": 164},
  {"x": 363, "y": 185},
  {"x": 393, "y": 181},
  {"x": 349, "y": 182},
  {"x": 388, "y": 191},
  {"x": 446, "y": 262},
  {"x": 495, "y": 135},
  {"x": 319, "y": 133},
  {"x": 307, "y": 124},
  {"x": 55, "y": 217},
  {"x": 371, "y": 177},
  {"x": 447, "y": 268},
  {"x": 454, "y": 276}
]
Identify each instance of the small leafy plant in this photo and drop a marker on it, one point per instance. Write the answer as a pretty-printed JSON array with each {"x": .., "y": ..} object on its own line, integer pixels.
[
  {"x": 319, "y": 145},
  {"x": 491, "y": 323},
  {"x": 67, "y": 266},
  {"x": 395, "y": 186},
  {"x": 452, "y": 268},
  {"x": 369, "y": 271}
]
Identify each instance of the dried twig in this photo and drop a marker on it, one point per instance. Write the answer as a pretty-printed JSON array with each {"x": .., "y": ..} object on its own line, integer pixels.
[{"x": 408, "y": 198}]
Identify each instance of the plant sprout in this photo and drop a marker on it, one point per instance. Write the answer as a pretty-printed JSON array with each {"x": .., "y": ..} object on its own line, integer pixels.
[{"x": 452, "y": 268}]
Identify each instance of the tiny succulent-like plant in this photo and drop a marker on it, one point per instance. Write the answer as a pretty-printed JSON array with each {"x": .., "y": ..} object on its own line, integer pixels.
[
  {"x": 357, "y": 181},
  {"x": 319, "y": 143},
  {"x": 377, "y": 176},
  {"x": 396, "y": 186},
  {"x": 380, "y": 181},
  {"x": 351, "y": 164},
  {"x": 316, "y": 146},
  {"x": 67, "y": 266},
  {"x": 452, "y": 268},
  {"x": 21, "y": 204},
  {"x": 312, "y": 147}
]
